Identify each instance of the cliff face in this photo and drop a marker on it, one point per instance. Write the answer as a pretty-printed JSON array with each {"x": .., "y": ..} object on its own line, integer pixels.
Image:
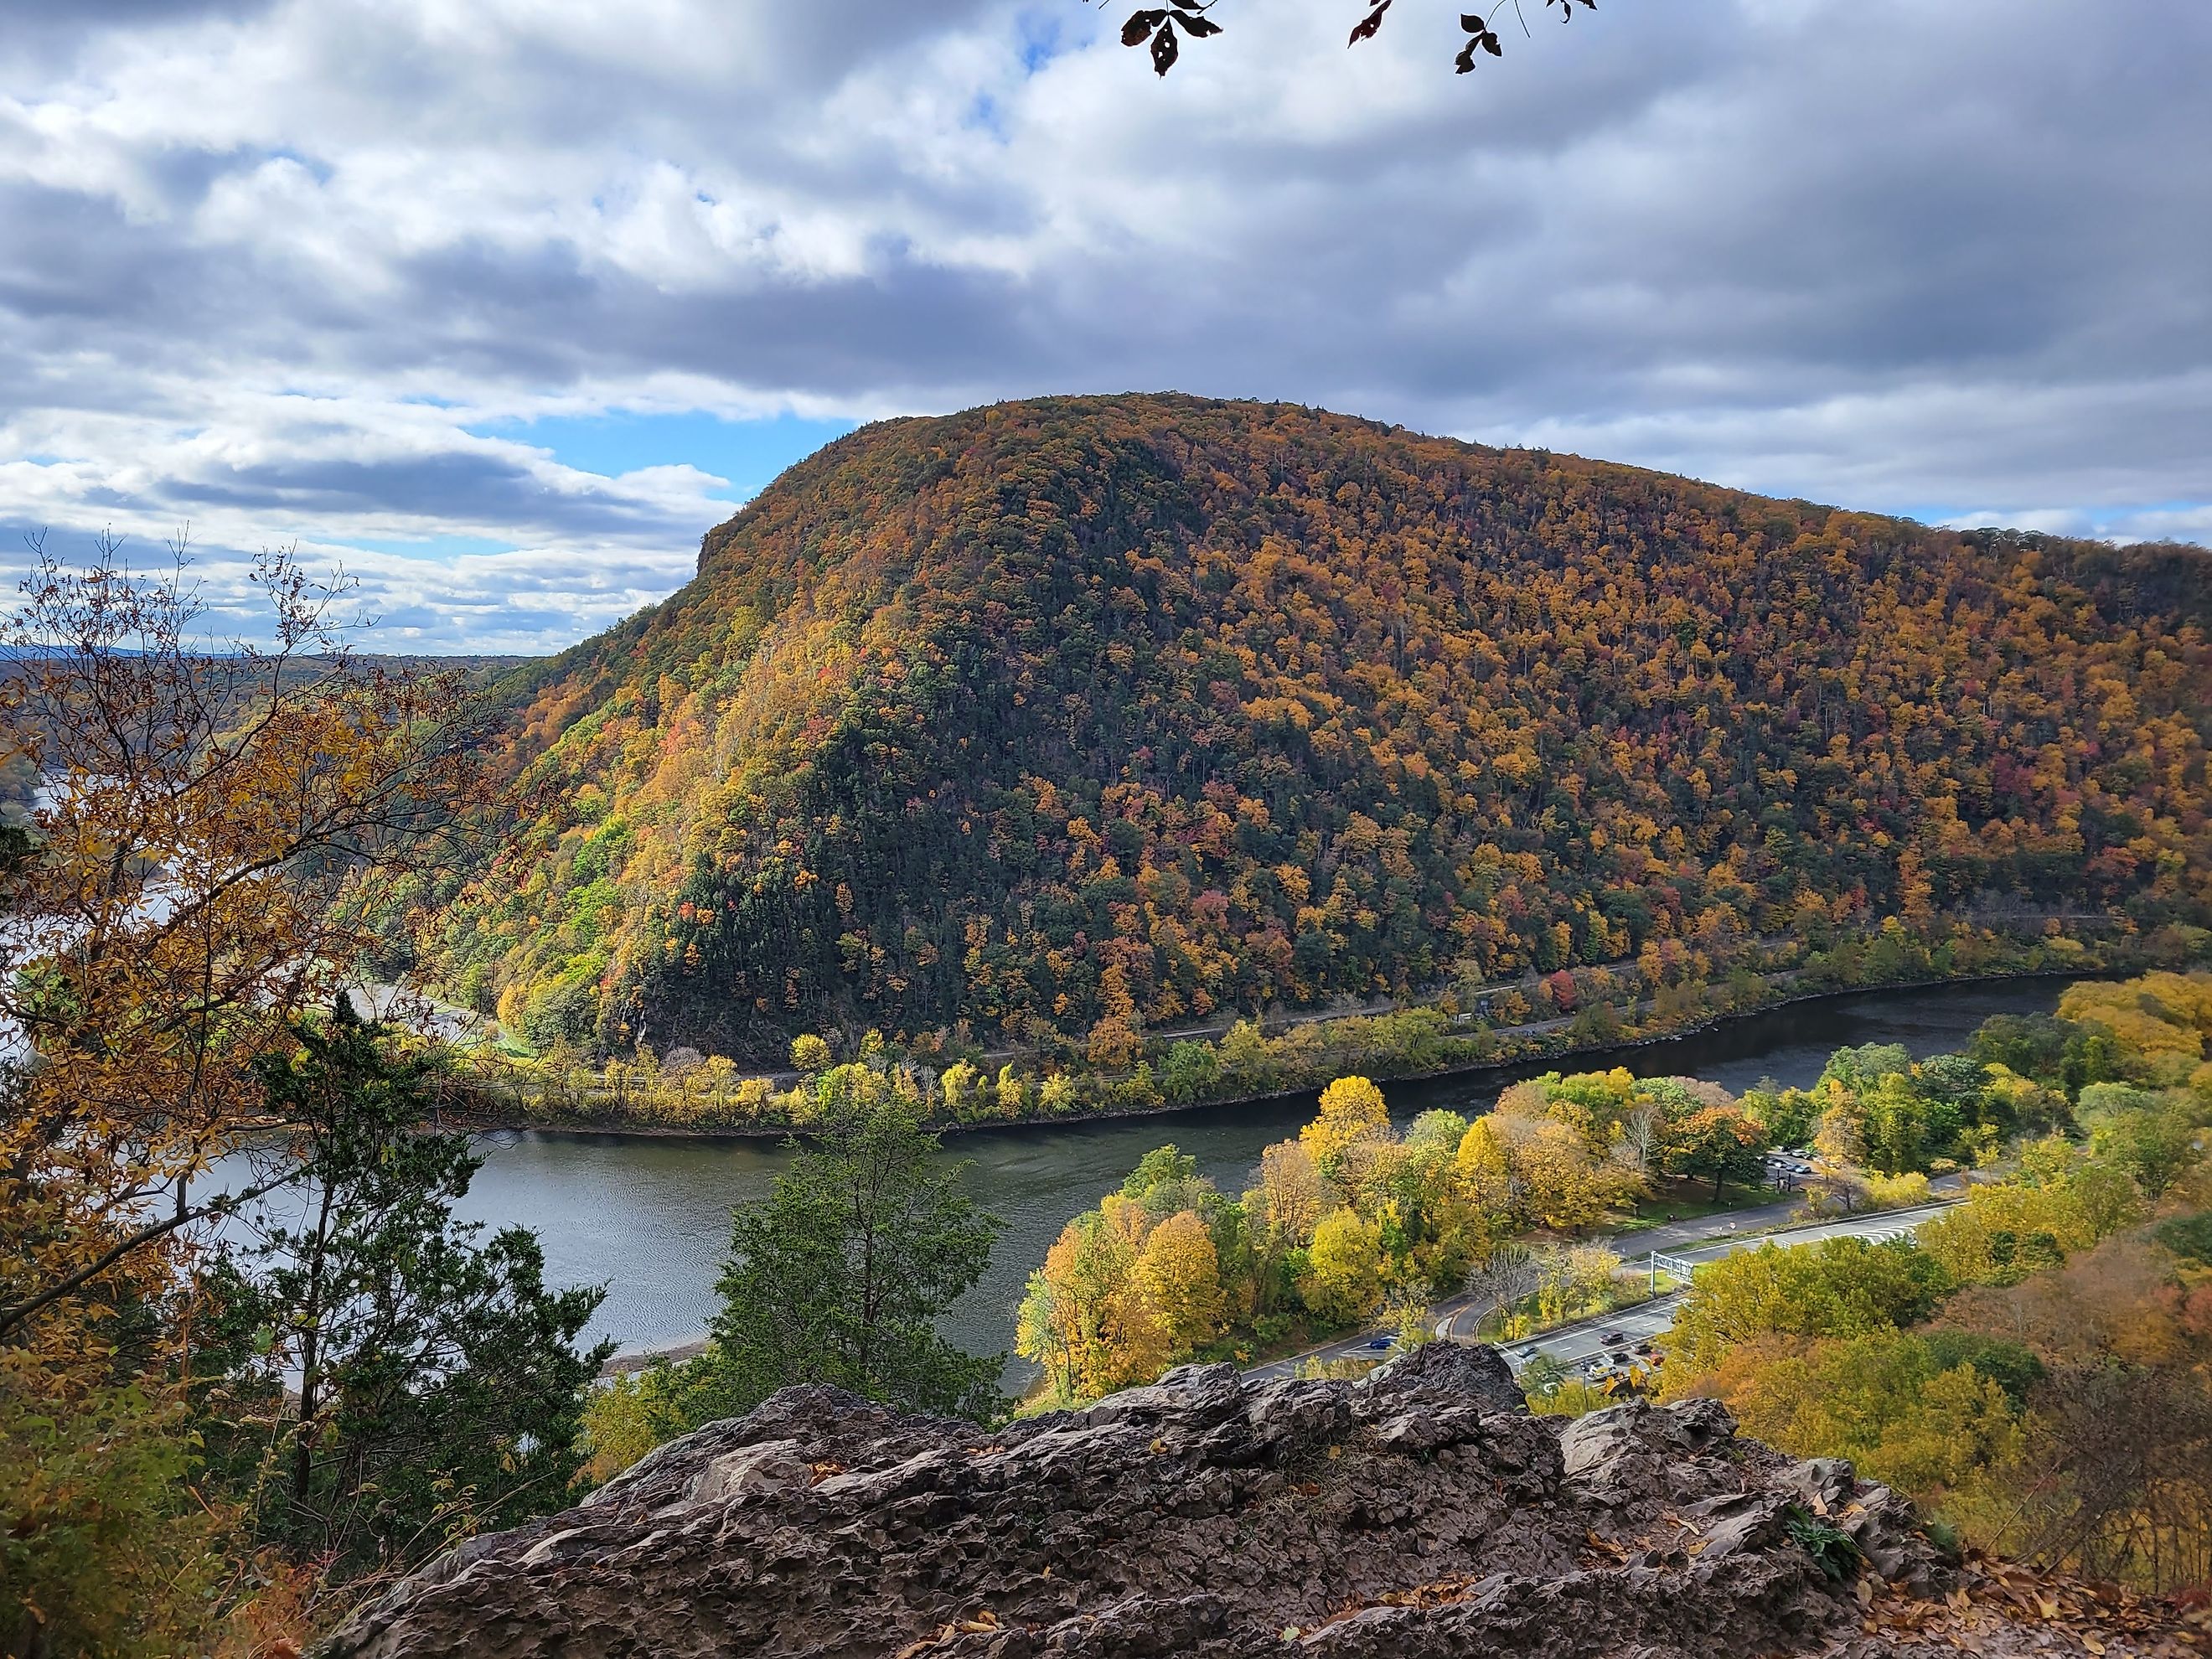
[{"x": 1421, "y": 1511}]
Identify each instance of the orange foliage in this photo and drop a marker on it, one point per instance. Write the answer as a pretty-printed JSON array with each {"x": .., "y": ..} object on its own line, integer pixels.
[{"x": 1252, "y": 704}]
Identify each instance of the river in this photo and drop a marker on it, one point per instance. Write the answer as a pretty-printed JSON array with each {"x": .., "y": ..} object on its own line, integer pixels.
[{"x": 648, "y": 1216}]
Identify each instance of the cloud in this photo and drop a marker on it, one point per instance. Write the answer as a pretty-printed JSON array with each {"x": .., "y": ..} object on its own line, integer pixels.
[{"x": 278, "y": 268}]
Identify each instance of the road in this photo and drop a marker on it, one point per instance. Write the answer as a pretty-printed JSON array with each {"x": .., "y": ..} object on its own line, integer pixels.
[
  {"x": 1708, "y": 1238},
  {"x": 1579, "y": 1344}
]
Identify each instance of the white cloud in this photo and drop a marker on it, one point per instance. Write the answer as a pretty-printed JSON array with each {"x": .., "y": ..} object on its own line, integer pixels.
[{"x": 274, "y": 266}]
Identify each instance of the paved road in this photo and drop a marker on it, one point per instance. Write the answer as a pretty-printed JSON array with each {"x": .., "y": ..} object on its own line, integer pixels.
[
  {"x": 1707, "y": 1238},
  {"x": 1581, "y": 1344}
]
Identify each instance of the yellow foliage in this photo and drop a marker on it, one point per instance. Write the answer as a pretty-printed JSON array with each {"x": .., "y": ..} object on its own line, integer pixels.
[
  {"x": 2165, "y": 1017},
  {"x": 1178, "y": 1272},
  {"x": 1484, "y": 1170},
  {"x": 2007, "y": 1228},
  {"x": 1879, "y": 1399},
  {"x": 1291, "y": 1197},
  {"x": 1344, "y": 1272},
  {"x": 1896, "y": 1192},
  {"x": 1351, "y": 1110}
]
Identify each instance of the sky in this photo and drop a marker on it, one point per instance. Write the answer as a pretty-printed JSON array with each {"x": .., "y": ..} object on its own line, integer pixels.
[{"x": 498, "y": 305}]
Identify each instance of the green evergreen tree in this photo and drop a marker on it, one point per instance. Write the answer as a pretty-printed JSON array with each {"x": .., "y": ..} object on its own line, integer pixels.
[
  {"x": 839, "y": 1275},
  {"x": 422, "y": 1382}
]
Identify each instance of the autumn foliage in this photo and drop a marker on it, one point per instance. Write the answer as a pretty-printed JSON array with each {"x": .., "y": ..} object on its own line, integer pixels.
[
  {"x": 1356, "y": 1219},
  {"x": 170, "y": 909},
  {"x": 2034, "y": 1366},
  {"x": 1068, "y": 720}
]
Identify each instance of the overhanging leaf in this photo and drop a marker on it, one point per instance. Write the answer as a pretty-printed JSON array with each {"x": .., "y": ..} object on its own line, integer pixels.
[{"x": 1139, "y": 27}]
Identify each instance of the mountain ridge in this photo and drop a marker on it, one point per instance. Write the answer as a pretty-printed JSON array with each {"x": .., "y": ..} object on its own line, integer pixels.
[{"x": 1059, "y": 718}]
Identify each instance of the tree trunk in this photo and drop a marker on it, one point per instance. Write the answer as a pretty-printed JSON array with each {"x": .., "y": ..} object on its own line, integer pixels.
[{"x": 311, "y": 1379}]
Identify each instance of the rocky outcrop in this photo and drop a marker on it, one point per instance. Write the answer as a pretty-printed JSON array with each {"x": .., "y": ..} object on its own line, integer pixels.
[{"x": 1419, "y": 1511}]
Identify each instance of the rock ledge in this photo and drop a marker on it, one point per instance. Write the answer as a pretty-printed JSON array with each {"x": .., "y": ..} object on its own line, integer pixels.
[{"x": 1419, "y": 1511}]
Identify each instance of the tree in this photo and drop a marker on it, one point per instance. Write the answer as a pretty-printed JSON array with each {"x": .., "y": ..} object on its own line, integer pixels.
[
  {"x": 2156, "y": 1144},
  {"x": 2113, "y": 1478},
  {"x": 1179, "y": 1272},
  {"x": 207, "y": 806},
  {"x": 1117, "y": 1039},
  {"x": 1166, "y": 1180},
  {"x": 1573, "y": 1280},
  {"x": 839, "y": 1275},
  {"x": 1507, "y": 1277},
  {"x": 1561, "y": 1185},
  {"x": 1643, "y": 1134},
  {"x": 1788, "y": 1116},
  {"x": 1291, "y": 1197},
  {"x": 420, "y": 1382},
  {"x": 1857, "y": 1070},
  {"x": 1484, "y": 1167},
  {"x": 1838, "y": 1287},
  {"x": 1158, "y": 28},
  {"x": 2005, "y": 1231},
  {"x": 1720, "y": 1144},
  {"x": 1351, "y": 1111},
  {"x": 212, "y": 818},
  {"x": 1344, "y": 1268},
  {"x": 1839, "y": 1141},
  {"x": 1086, "y": 1318},
  {"x": 1889, "y": 1401},
  {"x": 105, "y": 1544}
]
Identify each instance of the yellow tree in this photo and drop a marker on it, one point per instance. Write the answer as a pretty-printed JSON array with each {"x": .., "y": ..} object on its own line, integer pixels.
[
  {"x": 1560, "y": 1184},
  {"x": 1086, "y": 1317},
  {"x": 1484, "y": 1168},
  {"x": 1351, "y": 1111},
  {"x": 1291, "y": 1199},
  {"x": 1885, "y": 1400},
  {"x": 1117, "y": 1040},
  {"x": 1178, "y": 1272},
  {"x": 1344, "y": 1267}
]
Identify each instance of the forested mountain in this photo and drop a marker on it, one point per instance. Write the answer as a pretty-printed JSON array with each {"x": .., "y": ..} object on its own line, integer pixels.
[{"x": 1143, "y": 709}]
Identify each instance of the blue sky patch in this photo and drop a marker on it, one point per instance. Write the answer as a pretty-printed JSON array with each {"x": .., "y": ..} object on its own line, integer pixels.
[{"x": 747, "y": 454}]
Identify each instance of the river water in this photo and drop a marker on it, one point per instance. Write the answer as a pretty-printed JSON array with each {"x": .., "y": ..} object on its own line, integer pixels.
[{"x": 648, "y": 1216}]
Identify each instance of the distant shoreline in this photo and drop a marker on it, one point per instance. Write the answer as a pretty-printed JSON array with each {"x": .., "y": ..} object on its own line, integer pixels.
[{"x": 779, "y": 1133}]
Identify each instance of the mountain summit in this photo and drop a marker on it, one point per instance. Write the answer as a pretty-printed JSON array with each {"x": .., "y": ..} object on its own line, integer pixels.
[{"x": 1146, "y": 709}]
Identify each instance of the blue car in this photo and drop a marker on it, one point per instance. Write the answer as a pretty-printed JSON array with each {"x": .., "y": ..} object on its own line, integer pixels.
[{"x": 1379, "y": 1343}]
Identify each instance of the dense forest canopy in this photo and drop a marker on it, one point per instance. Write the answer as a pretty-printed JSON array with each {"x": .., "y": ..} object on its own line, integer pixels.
[{"x": 1139, "y": 711}]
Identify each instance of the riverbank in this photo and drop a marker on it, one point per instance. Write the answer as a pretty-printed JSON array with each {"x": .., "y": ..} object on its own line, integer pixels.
[
  {"x": 1524, "y": 1063},
  {"x": 1761, "y": 1218},
  {"x": 648, "y": 1216}
]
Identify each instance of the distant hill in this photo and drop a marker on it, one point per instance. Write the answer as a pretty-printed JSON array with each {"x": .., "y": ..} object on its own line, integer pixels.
[{"x": 1143, "y": 709}]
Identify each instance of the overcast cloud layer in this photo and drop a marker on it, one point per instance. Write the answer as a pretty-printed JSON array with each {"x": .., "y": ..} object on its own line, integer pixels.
[{"x": 309, "y": 269}]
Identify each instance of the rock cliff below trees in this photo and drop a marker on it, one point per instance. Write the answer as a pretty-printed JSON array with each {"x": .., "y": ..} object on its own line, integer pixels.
[{"x": 1419, "y": 1511}]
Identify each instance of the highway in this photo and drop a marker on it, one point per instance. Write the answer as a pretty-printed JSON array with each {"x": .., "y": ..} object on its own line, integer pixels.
[{"x": 1579, "y": 1344}]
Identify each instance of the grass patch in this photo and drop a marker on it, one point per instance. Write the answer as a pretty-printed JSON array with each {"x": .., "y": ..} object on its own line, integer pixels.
[{"x": 1693, "y": 1200}]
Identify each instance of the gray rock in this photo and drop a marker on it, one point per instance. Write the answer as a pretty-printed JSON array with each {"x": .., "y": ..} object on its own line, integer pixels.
[
  {"x": 1421, "y": 1511},
  {"x": 1446, "y": 1371},
  {"x": 772, "y": 1466}
]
